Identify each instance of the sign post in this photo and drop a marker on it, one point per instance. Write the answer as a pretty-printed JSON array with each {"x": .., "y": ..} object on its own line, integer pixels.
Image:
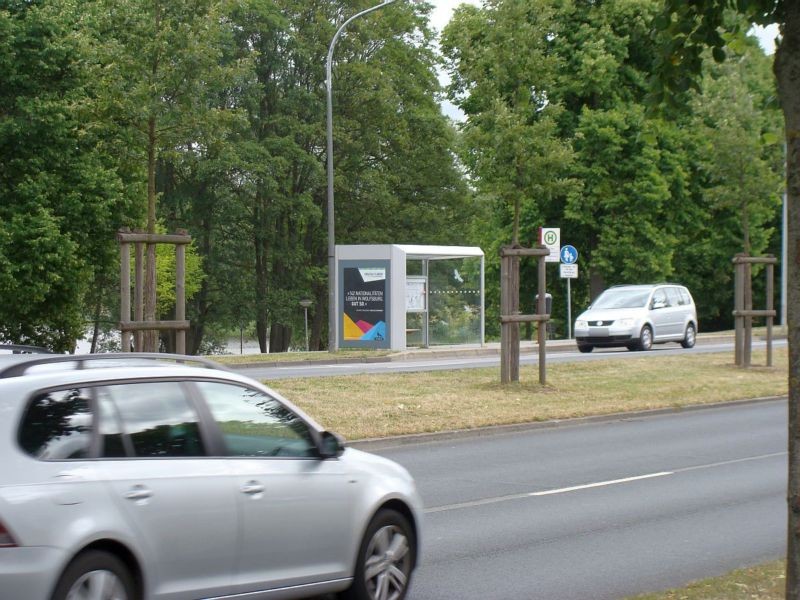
[{"x": 569, "y": 271}]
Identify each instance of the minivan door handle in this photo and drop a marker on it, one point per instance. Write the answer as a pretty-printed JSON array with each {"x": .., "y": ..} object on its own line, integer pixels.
[
  {"x": 251, "y": 488},
  {"x": 138, "y": 492}
]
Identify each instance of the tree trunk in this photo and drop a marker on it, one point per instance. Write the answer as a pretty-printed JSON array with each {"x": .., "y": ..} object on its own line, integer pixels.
[
  {"x": 318, "y": 317},
  {"x": 280, "y": 337},
  {"x": 150, "y": 338},
  {"x": 597, "y": 284},
  {"x": 787, "y": 72},
  {"x": 262, "y": 268},
  {"x": 98, "y": 311}
]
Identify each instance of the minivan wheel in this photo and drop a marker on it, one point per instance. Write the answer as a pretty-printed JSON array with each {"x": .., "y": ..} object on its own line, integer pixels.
[
  {"x": 646, "y": 338},
  {"x": 96, "y": 575},
  {"x": 385, "y": 559},
  {"x": 585, "y": 347},
  {"x": 690, "y": 337}
]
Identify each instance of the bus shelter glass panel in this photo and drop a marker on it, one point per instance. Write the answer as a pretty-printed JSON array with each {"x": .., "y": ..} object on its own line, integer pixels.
[{"x": 454, "y": 308}]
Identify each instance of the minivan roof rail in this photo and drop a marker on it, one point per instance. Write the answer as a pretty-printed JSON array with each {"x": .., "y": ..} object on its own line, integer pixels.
[
  {"x": 23, "y": 364},
  {"x": 646, "y": 284}
]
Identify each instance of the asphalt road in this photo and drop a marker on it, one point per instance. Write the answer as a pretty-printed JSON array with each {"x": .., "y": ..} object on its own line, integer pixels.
[
  {"x": 442, "y": 362},
  {"x": 600, "y": 510}
]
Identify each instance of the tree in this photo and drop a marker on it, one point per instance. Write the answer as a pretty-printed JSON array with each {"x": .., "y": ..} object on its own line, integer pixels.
[
  {"x": 687, "y": 29},
  {"x": 503, "y": 72},
  {"x": 638, "y": 191},
  {"x": 61, "y": 200},
  {"x": 155, "y": 64},
  {"x": 395, "y": 174}
]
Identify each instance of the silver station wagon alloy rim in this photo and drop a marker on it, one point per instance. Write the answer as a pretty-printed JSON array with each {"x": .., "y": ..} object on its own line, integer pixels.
[
  {"x": 98, "y": 585},
  {"x": 388, "y": 564}
]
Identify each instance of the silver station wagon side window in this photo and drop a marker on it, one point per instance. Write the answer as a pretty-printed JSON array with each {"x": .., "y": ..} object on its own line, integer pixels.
[
  {"x": 157, "y": 418},
  {"x": 58, "y": 425},
  {"x": 254, "y": 424}
]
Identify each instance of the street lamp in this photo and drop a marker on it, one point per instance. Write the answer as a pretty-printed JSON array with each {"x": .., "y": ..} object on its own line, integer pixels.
[
  {"x": 305, "y": 304},
  {"x": 333, "y": 337}
]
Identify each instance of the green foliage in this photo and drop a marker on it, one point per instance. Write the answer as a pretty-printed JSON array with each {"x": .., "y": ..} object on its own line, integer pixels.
[
  {"x": 220, "y": 108},
  {"x": 42, "y": 279},
  {"x": 165, "y": 278},
  {"x": 503, "y": 71},
  {"x": 627, "y": 204},
  {"x": 60, "y": 198},
  {"x": 643, "y": 197},
  {"x": 686, "y": 29}
]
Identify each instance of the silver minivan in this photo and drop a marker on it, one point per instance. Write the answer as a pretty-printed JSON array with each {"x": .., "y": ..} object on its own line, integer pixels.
[
  {"x": 131, "y": 477},
  {"x": 638, "y": 316}
]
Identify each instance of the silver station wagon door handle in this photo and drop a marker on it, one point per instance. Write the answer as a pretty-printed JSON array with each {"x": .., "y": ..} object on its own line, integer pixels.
[
  {"x": 138, "y": 492},
  {"x": 251, "y": 488}
]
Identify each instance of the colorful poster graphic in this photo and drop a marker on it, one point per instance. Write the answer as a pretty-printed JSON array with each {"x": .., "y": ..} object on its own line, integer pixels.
[{"x": 364, "y": 304}]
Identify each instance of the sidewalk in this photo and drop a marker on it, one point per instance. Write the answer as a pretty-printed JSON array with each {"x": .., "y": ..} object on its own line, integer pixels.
[{"x": 460, "y": 351}]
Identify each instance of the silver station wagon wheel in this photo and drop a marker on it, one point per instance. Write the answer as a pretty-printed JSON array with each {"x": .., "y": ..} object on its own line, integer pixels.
[
  {"x": 95, "y": 576},
  {"x": 385, "y": 560}
]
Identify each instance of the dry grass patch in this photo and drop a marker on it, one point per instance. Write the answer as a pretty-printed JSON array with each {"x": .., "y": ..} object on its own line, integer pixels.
[
  {"x": 367, "y": 406},
  {"x": 765, "y": 582}
]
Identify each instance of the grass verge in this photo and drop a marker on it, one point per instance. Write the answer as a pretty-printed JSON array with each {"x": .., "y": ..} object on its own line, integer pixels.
[
  {"x": 764, "y": 582},
  {"x": 371, "y": 406}
]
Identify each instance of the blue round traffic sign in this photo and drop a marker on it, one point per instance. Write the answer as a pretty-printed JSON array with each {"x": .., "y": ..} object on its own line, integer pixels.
[{"x": 569, "y": 255}]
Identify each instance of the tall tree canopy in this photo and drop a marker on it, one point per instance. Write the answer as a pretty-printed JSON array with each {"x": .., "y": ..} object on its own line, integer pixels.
[{"x": 634, "y": 192}]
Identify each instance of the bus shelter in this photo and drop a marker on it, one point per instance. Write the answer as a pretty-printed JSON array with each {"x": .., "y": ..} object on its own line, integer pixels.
[{"x": 397, "y": 296}]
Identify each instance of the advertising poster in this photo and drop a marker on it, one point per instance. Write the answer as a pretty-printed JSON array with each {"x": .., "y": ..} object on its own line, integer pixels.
[
  {"x": 415, "y": 294},
  {"x": 364, "y": 304}
]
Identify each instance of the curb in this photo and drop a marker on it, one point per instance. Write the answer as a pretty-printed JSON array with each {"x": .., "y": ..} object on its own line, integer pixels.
[{"x": 373, "y": 444}]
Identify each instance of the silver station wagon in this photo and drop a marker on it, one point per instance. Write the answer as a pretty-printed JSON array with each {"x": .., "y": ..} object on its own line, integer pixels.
[
  {"x": 638, "y": 316},
  {"x": 128, "y": 477}
]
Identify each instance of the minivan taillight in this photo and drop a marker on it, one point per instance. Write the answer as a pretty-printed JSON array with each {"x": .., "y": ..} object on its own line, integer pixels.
[{"x": 6, "y": 541}]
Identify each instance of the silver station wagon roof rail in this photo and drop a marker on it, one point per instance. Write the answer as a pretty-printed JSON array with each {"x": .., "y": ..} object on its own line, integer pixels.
[
  {"x": 22, "y": 363},
  {"x": 24, "y": 349}
]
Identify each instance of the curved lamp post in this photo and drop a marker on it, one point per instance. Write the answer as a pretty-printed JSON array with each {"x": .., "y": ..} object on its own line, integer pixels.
[{"x": 333, "y": 322}]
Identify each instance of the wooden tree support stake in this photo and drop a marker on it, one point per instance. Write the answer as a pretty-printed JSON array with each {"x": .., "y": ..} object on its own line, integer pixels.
[
  {"x": 743, "y": 312},
  {"x": 139, "y": 240},
  {"x": 509, "y": 308}
]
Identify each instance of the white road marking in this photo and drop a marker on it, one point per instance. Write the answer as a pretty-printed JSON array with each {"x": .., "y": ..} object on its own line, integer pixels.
[
  {"x": 601, "y": 484},
  {"x": 437, "y": 363},
  {"x": 586, "y": 486},
  {"x": 731, "y": 462}
]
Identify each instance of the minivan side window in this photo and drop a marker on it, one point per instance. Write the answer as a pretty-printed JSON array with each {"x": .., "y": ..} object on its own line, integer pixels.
[
  {"x": 673, "y": 297},
  {"x": 254, "y": 424},
  {"x": 58, "y": 425},
  {"x": 156, "y": 416},
  {"x": 659, "y": 296},
  {"x": 685, "y": 299}
]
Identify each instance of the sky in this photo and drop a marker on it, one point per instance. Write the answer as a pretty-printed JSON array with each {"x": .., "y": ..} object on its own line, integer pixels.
[{"x": 443, "y": 10}]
